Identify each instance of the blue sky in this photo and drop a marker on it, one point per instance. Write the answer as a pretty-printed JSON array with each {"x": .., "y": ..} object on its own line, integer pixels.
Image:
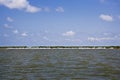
[{"x": 59, "y": 22}]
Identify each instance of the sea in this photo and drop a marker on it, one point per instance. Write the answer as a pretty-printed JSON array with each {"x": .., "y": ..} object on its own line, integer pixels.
[{"x": 59, "y": 64}]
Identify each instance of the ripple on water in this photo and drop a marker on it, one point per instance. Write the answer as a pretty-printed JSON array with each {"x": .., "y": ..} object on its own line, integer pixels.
[{"x": 59, "y": 64}]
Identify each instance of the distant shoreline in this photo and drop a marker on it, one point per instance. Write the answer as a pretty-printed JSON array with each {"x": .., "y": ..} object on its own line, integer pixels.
[
  {"x": 56, "y": 48},
  {"x": 60, "y": 47}
]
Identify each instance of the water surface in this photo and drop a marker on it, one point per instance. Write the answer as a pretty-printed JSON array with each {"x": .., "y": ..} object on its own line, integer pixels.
[{"x": 60, "y": 64}]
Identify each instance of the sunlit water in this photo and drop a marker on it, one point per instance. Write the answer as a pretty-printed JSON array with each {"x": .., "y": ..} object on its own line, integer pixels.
[{"x": 59, "y": 64}]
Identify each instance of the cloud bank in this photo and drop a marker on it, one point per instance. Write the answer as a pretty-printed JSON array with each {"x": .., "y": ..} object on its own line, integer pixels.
[{"x": 19, "y": 4}]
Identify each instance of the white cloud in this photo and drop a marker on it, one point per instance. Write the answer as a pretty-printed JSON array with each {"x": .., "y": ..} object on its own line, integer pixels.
[
  {"x": 7, "y": 26},
  {"x": 19, "y": 4},
  {"x": 15, "y": 32},
  {"x": 119, "y": 17},
  {"x": 107, "y": 36},
  {"x": 59, "y": 9},
  {"x": 24, "y": 34},
  {"x": 10, "y": 19},
  {"x": 117, "y": 36},
  {"x": 69, "y": 33},
  {"x": 32, "y": 9},
  {"x": 99, "y": 39},
  {"x": 106, "y": 17}
]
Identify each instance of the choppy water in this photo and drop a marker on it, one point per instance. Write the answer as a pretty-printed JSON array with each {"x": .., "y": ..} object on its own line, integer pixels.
[{"x": 59, "y": 64}]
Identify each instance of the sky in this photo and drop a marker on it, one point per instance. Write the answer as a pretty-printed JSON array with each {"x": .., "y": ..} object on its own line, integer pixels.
[{"x": 59, "y": 22}]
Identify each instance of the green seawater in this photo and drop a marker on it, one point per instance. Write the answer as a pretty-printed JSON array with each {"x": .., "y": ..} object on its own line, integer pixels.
[{"x": 59, "y": 64}]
